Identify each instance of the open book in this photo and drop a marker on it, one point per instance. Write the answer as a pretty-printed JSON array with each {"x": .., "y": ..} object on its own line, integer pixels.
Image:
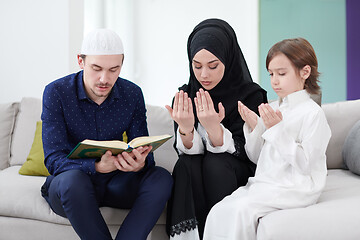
[{"x": 95, "y": 149}]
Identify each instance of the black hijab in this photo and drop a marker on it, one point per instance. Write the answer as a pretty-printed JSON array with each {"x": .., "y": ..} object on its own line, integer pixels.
[{"x": 218, "y": 37}]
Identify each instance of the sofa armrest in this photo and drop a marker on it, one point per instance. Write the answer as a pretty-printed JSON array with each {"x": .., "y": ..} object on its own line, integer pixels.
[
  {"x": 341, "y": 116},
  {"x": 8, "y": 112}
]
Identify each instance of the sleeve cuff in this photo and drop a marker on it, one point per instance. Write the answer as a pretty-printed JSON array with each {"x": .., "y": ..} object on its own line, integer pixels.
[
  {"x": 228, "y": 143},
  {"x": 274, "y": 132},
  {"x": 88, "y": 166},
  {"x": 197, "y": 147},
  {"x": 254, "y": 134}
]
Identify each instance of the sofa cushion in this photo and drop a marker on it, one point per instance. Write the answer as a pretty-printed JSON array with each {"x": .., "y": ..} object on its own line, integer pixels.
[
  {"x": 341, "y": 116},
  {"x": 25, "y": 125},
  {"x": 335, "y": 216},
  {"x": 34, "y": 165},
  {"x": 21, "y": 228},
  {"x": 20, "y": 197},
  {"x": 160, "y": 122},
  {"x": 8, "y": 113},
  {"x": 351, "y": 149}
]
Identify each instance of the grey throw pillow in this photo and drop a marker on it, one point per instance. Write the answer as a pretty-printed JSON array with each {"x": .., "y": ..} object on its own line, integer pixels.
[{"x": 351, "y": 149}]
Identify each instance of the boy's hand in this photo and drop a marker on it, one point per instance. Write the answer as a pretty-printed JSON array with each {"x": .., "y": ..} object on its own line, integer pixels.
[
  {"x": 250, "y": 117},
  {"x": 269, "y": 116}
]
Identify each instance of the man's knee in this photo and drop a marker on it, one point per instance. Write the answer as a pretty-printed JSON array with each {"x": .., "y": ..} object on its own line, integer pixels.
[
  {"x": 72, "y": 183},
  {"x": 161, "y": 181}
]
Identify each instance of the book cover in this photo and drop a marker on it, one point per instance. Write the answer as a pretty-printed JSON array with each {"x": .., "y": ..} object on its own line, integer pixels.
[{"x": 95, "y": 149}]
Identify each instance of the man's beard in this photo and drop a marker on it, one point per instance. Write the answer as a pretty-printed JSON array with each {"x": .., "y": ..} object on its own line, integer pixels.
[{"x": 102, "y": 95}]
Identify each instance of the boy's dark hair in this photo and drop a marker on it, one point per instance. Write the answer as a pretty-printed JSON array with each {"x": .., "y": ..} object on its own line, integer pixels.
[{"x": 300, "y": 53}]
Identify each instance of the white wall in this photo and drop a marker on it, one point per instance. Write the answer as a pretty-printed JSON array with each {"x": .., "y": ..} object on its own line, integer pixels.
[
  {"x": 40, "y": 39},
  {"x": 162, "y": 29},
  {"x": 38, "y": 44},
  {"x": 155, "y": 35}
]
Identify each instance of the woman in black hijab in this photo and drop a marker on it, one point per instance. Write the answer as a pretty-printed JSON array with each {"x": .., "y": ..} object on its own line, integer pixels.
[{"x": 209, "y": 131}]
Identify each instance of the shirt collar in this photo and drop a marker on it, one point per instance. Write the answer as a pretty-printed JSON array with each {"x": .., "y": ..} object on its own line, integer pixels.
[
  {"x": 295, "y": 98},
  {"x": 80, "y": 86},
  {"x": 82, "y": 93}
]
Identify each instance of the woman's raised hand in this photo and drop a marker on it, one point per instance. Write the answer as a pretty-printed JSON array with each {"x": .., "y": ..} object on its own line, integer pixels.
[
  {"x": 182, "y": 112},
  {"x": 249, "y": 116},
  {"x": 206, "y": 113}
]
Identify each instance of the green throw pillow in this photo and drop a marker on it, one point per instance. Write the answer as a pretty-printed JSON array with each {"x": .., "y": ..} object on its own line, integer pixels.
[
  {"x": 125, "y": 139},
  {"x": 34, "y": 164}
]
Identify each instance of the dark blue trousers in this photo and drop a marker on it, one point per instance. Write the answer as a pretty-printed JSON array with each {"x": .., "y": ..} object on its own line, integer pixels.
[{"x": 77, "y": 196}]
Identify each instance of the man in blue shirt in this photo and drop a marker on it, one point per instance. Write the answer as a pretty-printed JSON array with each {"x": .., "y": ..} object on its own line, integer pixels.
[{"x": 97, "y": 104}]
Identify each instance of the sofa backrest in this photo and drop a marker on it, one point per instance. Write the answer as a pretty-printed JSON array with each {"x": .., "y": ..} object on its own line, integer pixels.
[
  {"x": 8, "y": 112},
  {"x": 341, "y": 116},
  {"x": 160, "y": 122},
  {"x": 24, "y": 132}
]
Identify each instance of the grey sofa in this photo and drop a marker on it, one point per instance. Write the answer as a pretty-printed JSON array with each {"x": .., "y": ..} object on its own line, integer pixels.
[{"x": 24, "y": 214}]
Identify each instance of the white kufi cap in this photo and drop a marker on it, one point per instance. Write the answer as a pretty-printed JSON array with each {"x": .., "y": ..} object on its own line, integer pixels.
[{"x": 102, "y": 42}]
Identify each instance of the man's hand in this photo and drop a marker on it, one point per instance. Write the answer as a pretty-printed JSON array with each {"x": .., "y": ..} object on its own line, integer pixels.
[
  {"x": 106, "y": 163},
  {"x": 269, "y": 116},
  {"x": 134, "y": 161},
  {"x": 126, "y": 162}
]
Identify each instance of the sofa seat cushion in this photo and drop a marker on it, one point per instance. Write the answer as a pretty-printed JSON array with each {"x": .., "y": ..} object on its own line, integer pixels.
[
  {"x": 20, "y": 197},
  {"x": 335, "y": 216}
]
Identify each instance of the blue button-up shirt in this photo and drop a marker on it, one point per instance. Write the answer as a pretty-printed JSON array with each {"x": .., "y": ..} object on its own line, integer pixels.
[{"x": 69, "y": 117}]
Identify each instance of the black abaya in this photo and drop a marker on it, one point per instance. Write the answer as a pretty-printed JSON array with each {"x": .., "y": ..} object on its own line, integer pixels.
[{"x": 200, "y": 181}]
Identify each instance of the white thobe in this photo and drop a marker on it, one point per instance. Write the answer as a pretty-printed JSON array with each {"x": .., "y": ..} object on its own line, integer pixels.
[{"x": 291, "y": 169}]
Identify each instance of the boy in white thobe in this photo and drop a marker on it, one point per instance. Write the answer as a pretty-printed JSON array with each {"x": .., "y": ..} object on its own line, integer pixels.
[{"x": 290, "y": 156}]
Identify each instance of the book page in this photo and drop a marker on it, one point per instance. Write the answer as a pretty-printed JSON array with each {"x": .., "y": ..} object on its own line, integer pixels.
[
  {"x": 146, "y": 140},
  {"x": 110, "y": 144}
]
